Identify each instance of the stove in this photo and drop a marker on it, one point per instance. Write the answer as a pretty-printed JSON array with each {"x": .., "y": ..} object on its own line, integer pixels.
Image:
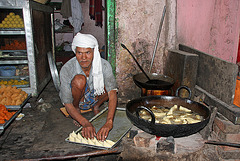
[
  {"x": 145, "y": 146},
  {"x": 212, "y": 82}
]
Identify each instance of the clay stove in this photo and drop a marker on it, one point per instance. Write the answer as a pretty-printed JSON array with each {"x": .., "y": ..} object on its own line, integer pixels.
[{"x": 144, "y": 146}]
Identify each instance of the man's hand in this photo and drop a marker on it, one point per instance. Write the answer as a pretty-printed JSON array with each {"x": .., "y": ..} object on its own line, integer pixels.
[
  {"x": 88, "y": 131},
  {"x": 103, "y": 132}
]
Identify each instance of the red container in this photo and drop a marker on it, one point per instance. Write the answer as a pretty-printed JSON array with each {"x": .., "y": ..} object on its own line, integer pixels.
[{"x": 236, "y": 100}]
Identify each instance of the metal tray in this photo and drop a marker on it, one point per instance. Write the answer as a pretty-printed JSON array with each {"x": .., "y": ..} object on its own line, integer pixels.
[
  {"x": 19, "y": 106},
  {"x": 13, "y": 53},
  {"x": 12, "y": 29},
  {"x": 14, "y": 77},
  {"x": 22, "y": 86},
  {"x": 3, "y": 126},
  {"x": 54, "y": 71},
  {"x": 19, "y": 78},
  {"x": 121, "y": 126}
]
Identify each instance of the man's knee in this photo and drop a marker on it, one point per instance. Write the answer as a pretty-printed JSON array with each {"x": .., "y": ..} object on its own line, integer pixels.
[{"x": 79, "y": 81}]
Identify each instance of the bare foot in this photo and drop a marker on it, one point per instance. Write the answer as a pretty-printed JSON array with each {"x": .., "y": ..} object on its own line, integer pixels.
[{"x": 76, "y": 123}]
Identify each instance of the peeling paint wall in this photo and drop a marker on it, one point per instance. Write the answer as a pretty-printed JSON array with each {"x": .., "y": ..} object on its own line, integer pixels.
[
  {"x": 210, "y": 26},
  {"x": 138, "y": 24}
]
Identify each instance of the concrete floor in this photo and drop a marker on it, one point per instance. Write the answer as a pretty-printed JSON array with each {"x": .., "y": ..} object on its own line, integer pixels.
[
  {"x": 130, "y": 152},
  {"x": 41, "y": 134}
]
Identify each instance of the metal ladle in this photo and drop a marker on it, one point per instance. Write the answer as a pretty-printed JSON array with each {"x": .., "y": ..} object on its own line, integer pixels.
[{"x": 150, "y": 81}]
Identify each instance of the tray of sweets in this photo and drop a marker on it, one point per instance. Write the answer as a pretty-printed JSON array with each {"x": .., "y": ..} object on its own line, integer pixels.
[
  {"x": 3, "y": 126},
  {"x": 121, "y": 126},
  {"x": 11, "y": 81},
  {"x": 12, "y": 107}
]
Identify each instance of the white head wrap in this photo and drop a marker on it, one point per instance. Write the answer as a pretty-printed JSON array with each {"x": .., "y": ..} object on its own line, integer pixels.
[{"x": 89, "y": 41}]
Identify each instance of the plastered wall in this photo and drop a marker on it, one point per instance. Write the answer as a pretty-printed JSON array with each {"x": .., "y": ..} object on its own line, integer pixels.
[
  {"x": 138, "y": 25},
  {"x": 210, "y": 26}
]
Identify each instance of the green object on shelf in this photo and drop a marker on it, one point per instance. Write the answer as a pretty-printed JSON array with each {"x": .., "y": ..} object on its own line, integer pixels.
[{"x": 59, "y": 48}]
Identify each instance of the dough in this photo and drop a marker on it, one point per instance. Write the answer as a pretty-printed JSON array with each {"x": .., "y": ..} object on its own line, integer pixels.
[
  {"x": 181, "y": 108},
  {"x": 159, "y": 114},
  {"x": 105, "y": 144},
  {"x": 165, "y": 119},
  {"x": 78, "y": 140},
  {"x": 175, "y": 115},
  {"x": 84, "y": 141},
  {"x": 79, "y": 136},
  {"x": 172, "y": 109},
  {"x": 191, "y": 120},
  {"x": 99, "y": 143},
  {"x": 110, "y": 142},
  {"x": 73, "y": 137},
  {"x": 90, "y": 141}
]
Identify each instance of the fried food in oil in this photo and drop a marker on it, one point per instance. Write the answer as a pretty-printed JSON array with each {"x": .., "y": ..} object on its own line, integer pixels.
[{"x": 174, "y": 115}]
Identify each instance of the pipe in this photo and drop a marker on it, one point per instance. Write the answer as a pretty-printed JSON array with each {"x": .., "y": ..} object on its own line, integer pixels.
[{"x": 158, "y": 35}]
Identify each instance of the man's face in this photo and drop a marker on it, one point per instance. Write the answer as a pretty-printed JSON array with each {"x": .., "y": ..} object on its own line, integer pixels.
[{"x": 84, "y": 57}]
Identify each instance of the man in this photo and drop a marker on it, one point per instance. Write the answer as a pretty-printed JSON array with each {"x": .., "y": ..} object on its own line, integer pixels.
[{"x": 86, "y": 82}]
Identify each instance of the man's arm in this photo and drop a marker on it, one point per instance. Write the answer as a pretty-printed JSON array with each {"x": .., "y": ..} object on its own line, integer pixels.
[
  {"x": 88, "y": 131},
  {"x": 112, "y": 104}
]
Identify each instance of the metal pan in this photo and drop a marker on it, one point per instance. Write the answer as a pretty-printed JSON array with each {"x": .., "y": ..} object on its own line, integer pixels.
[
  {"x": 164, "y": 82},
  {"x": 165, "y": 130},
  {"x": 121, "y": 126},
  {"x": 54, "y": 71}
]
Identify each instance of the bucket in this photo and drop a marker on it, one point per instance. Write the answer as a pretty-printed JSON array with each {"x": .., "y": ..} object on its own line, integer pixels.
[{"x": 7, "y": 71}]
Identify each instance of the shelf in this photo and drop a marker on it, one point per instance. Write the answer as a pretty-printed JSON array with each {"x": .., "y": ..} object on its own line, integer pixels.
[
  {"x": 12, "y": 51},
  {"x": 16, "y": 77},
  {"x": 38, "y": 21},
  {"x": 14, "y": 62},
  {"x": 64, "y": 29},
  {"x": 12, "y": 32},
  {"x": 13, "y": 54}
]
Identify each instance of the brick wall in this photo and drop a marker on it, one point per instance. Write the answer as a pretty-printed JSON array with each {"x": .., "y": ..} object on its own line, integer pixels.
[{"x": 226, "y": 131}]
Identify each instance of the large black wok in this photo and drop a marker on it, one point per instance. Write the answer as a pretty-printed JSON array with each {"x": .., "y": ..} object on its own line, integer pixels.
[
  {"x": 163, "y": 82},
  {"x": 165, "y": 130}
]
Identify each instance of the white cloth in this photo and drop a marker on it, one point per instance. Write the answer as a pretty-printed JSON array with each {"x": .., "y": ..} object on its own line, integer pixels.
[
  {"x": 89, "y": 41},
  {"x": 77, "y": 17}
]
